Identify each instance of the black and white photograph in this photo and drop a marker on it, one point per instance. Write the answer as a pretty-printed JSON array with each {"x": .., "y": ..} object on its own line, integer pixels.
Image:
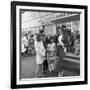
[{"x": 49, "y": 44}]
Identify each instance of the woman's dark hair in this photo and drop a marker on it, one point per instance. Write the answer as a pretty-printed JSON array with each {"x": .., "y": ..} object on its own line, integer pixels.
[
  {"x": 51, "y": 39},
  {"x": 42, "y": 30},
  {"x": 38, "y": 37},
  {"x": 32, "y": 35}
]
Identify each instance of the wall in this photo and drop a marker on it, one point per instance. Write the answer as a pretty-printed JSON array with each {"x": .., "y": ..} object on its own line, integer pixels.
[
  {"x": 50, "y": 29},
  {"x": 5, "y": 44}
]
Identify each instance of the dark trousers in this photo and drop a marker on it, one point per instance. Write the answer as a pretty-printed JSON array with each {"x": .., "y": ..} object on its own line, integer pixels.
[{"x": 45, "y": 65}]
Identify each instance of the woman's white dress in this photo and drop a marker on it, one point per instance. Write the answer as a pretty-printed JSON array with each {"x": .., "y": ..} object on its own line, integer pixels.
[{"x": 40, "y": 52}]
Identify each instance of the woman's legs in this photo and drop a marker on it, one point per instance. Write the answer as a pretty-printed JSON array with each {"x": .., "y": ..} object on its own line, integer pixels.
[{"x": 39, "y": 70}]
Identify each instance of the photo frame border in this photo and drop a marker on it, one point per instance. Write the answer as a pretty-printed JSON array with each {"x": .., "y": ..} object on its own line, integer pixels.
[{"x": 13, "y": 44}]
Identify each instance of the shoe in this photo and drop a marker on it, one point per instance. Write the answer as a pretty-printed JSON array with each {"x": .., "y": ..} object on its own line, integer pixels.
[
  {"x": 60, "y": 74},
  {"x": 44, "y": 72},
  {"x": 52, "y": 71}
]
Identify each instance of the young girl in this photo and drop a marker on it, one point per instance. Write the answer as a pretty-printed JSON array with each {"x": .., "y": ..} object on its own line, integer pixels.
[{"x": 51, "y": 54}]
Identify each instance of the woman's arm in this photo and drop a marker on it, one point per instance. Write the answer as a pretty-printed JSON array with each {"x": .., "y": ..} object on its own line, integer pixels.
[{"x": 60, "y": 40}]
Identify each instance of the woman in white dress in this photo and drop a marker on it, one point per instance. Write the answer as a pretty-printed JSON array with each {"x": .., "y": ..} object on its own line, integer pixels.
[{"x": 40, "y": 55}]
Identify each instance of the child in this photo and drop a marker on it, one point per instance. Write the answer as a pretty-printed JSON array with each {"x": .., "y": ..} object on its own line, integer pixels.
[{"x": 51, "y": 54}]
